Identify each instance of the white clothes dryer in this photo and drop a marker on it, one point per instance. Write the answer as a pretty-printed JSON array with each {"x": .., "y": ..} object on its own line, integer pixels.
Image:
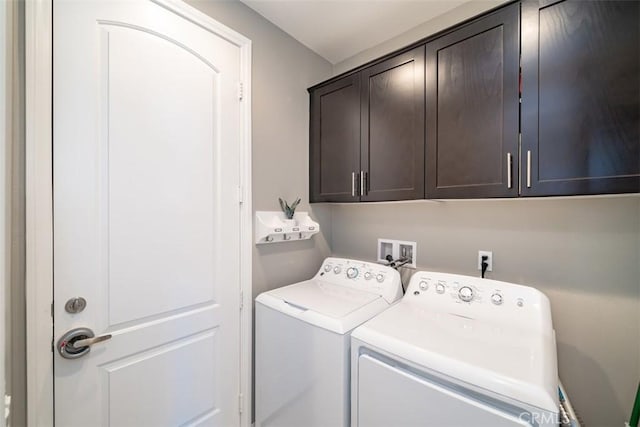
[
  {"x": 457, "y": 351},
  {"x": 302, "y": 355}
]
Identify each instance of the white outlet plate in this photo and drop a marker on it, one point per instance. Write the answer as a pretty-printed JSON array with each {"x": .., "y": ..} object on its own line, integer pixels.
[
  {"x": 394, "y": 248},
  {"x": 489, "y": 255}
]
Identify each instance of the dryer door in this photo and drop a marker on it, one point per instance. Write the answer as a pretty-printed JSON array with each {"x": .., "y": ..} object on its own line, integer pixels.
[{"x": 388, "y": 396}]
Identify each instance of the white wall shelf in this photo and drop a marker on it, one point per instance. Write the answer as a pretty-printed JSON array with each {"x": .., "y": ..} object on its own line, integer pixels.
[{"x": 274, "y": 227}]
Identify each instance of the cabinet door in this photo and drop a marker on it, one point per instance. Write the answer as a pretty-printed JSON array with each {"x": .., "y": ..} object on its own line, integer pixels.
[
  {"x": 580, "y": 97},
  {"x": 472, "y": 109},
  {"x": 335, "y": 141},
  {"x": 392, "y": 156}
]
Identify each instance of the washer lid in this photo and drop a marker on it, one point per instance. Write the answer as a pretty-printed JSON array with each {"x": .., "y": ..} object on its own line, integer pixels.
[
  {"x": 332, "y": 307},
  {"x": 509, "y": 361}
]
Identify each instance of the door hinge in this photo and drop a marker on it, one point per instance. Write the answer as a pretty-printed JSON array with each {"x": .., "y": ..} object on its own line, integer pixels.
[
  {"x": 241, "y": 300},
  {"x": 240, "y": 405},
  {"x": 240, "y": 195},
  {"x": 7, "y": 407},
  {"x": 240, "y": 91}
]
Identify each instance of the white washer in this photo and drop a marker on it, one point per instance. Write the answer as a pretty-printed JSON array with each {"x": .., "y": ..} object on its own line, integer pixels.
[
  {"x": 457, "y": 351},
  {"x": 303, "y": 345}
]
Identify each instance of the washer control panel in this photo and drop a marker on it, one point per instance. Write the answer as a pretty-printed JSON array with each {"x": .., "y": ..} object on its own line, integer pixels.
[
  {"x": 475, "y": 297},
  {"x": 362, "y": 275}
]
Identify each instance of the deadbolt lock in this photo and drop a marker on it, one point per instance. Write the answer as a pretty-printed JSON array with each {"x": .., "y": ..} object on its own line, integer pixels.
[{"x": 75, "y": 305}]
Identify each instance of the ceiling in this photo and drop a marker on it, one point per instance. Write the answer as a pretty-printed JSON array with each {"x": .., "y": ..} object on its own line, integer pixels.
[{"x": 339, "y": 29}]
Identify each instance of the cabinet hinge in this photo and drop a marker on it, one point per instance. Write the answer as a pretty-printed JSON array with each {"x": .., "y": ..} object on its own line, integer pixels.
[
  {"x": 240, "y": 400},
  {"x": 240, "y": 91},
  {"x": 240, "y": 195},
  {"x": 241, "y": 300}
]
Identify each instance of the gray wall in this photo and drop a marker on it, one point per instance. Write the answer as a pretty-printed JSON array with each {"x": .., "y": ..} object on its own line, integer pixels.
[
  {"x": 583, "y": 253},
  {"x": 15, "y": 354},
  {"x": 282, "y": 69},
  {"x": 4, "y": 200}
]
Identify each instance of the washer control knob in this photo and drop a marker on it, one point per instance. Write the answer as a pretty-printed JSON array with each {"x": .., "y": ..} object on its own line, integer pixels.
[
  {"x": 327, "y": 268},
  {"x": 496, "y": 299},
  {"x": 380, "y": 278},
  {"x": 440, "y": 288},
  {"x": 465, "y": 293},
  {"x": 368, "y": 275},
  {"x": 423, "y": 285},
  {"x": 337, "y": 269},
  {"x": 352, "y": 272}
]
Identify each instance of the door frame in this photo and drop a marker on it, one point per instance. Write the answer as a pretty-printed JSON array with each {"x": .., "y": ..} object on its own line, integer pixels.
[{"x": 39, "y": 205}]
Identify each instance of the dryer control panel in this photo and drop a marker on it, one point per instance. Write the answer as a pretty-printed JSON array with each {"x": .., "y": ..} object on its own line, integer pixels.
[
  {"x": 362, "y": 275},
  {"x": 474, "y": 298}
]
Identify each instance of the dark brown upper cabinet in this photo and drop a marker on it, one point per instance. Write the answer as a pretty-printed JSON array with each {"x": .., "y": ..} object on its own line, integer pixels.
[
  {"x": 473, "y": 109},
  {"x": 392, "y": 122},
  {"x": 367, "y": 133},
  {"x": 536, "y": 98},
  {"x": 335, "y": 141},
  {"x": 580, "y": 97}
]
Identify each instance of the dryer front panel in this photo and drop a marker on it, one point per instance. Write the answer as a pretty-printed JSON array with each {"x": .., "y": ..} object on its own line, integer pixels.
[{"x": 391, "y": 396}]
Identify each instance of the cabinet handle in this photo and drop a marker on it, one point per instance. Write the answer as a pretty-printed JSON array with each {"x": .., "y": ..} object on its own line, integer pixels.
[
  {"x": 509, "y": 183},
  {"x": 528, "y": 168},
  {"x": 353, "y": 184},
  {"x": 363, "y": 179}
]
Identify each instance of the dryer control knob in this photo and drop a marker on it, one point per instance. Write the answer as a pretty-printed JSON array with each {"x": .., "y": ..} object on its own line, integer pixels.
[
  {"x": 423, "y": 285},
  {"x": 368, "y": 276},
  {"x": 380, "y": 278},
  {"x": 465, "y": 293},
  {"x": 352, "y": 272},
  {"x": 337, "y": 269},
  {"x": 440, "y": 288},
  {"x": 496, "y": 299},
  {"x": 327, "y": 268}
]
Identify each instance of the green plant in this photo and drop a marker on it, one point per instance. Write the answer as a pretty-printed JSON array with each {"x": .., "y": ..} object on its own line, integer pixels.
[{"x": 289, "y": 210}]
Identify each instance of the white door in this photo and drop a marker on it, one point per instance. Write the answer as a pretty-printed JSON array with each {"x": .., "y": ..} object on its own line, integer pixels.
[{"x": 146, "y": 215}]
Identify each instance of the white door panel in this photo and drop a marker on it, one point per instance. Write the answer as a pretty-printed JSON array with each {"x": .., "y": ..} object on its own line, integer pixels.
[
  {"x": 163, "y": 150},
  {"x": 146, "y": 218},
  {"x": 166, "y": 407}
]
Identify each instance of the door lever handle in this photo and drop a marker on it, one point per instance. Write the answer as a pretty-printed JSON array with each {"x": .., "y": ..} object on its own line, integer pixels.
[
  {"x": 77, "y": 342},
  {"x": 88, "y": 342}
]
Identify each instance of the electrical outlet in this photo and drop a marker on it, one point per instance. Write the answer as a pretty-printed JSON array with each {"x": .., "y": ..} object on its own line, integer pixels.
[
  {"x": 489, "y": 256},
  {"x": 397, "y": 249}
]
